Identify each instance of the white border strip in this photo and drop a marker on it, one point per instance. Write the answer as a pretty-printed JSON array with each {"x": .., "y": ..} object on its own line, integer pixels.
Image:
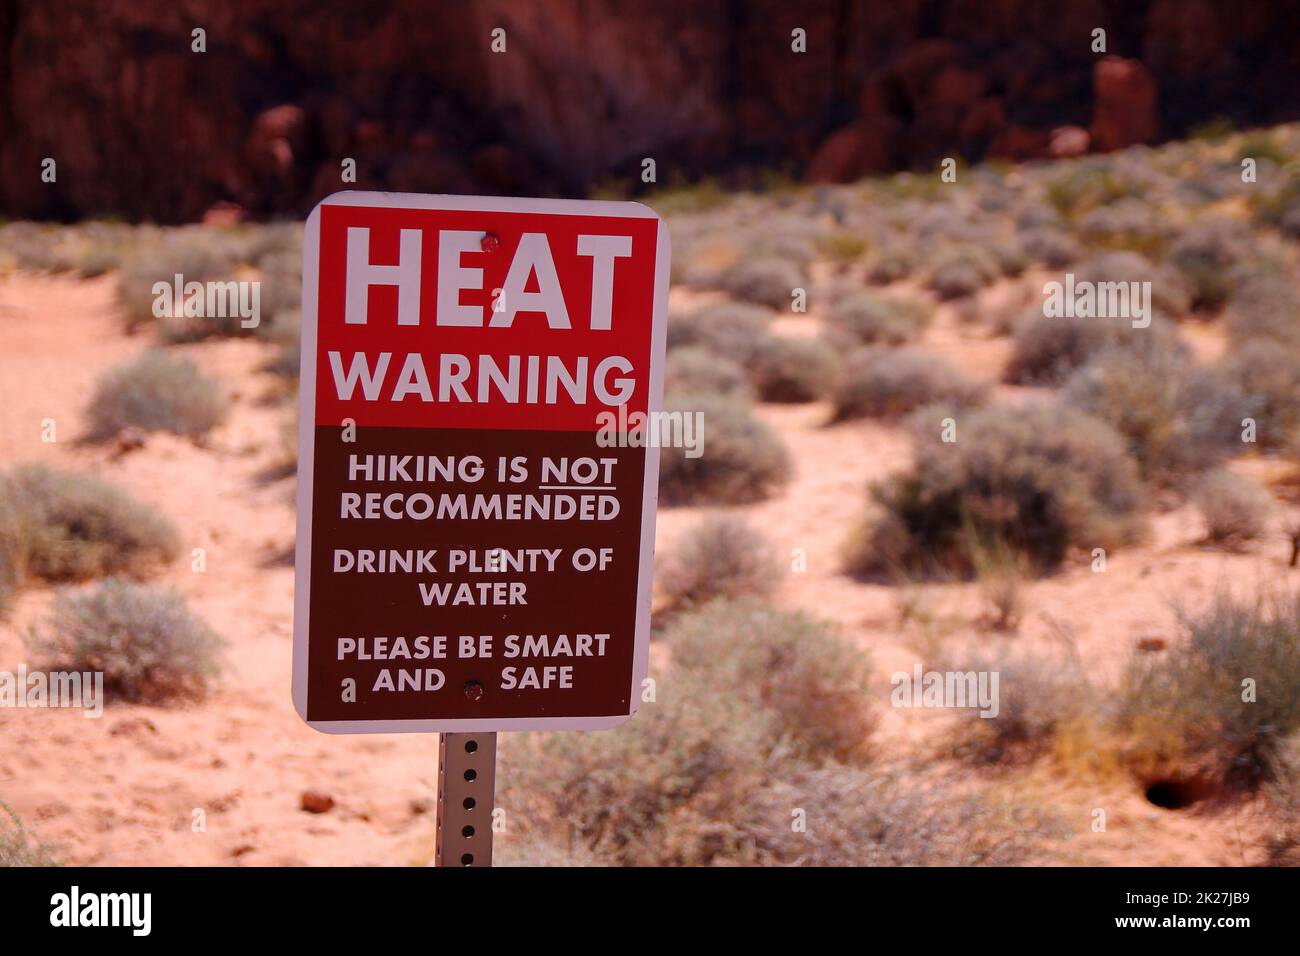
[{"x": 307, "y": 454}]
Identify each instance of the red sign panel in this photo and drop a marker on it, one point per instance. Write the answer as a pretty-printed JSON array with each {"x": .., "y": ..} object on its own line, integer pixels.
[{"x": 475, "y": 532}]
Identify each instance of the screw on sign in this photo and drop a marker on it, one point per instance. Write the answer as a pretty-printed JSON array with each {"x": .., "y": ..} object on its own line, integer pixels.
[{"x": 474, "y": 546}]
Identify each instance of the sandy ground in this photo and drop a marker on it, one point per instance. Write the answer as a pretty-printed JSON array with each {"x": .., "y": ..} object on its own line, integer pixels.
[{"x": 124, "y": 789}]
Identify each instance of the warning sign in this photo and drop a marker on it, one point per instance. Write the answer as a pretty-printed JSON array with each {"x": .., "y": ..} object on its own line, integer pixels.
[{"x": 476, "y": 498}]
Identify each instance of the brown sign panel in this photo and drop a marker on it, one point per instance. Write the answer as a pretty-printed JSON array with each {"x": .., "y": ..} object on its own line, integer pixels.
[{"x": 476, "y": 488}]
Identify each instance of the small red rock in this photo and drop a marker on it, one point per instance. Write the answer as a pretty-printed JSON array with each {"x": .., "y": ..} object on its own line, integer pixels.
[{"x": 315, "y": 802}]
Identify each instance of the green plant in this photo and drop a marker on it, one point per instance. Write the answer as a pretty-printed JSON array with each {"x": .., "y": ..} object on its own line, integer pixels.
[
  {"x": 155, "y": 392},
  {"x": 144, "y": 640},
  {"x": 65, "y": 526},
  {"x": 722, "y": 556}
]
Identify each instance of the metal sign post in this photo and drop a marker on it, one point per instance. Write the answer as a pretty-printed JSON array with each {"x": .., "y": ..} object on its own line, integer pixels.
[{"x": 467, "y": 769}]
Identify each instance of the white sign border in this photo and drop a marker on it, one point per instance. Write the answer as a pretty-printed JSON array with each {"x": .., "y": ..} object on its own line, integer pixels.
[{"x": 307, "y": 453}]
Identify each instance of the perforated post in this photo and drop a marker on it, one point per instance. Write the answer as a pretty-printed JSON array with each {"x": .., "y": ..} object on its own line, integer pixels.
[{"x": 467, "y": 770}]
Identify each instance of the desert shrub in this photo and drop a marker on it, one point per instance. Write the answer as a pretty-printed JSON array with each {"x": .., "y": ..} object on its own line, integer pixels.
[
  {"x": 155, "y": 392},
  {"x": 767, "y": 280},
  {"x": 1264, "y": 307},
  {"x": 1130, "y": 225},
  {"x": 868, "y": 818},
  {"x": 1281, "y": 207},
  {"x": 18, "y": 847},
  {"x": 1040, "y": 696},
  {"x": 144, "y": 640},
  {"x": 722, "y": 556},
  {"x": 1040, "y": 477},
  {"x": 869, "y": 317},
  {"x": 1169, "y": 290},
  {"x": 1083, "y": 186},
  {"x": 730, "y": 329},
  {"x": 1178, "y": 419},
  {"x": 1185, "y": 707},
  {"x": 891, "y": 264},
  {"x": 65, "y": 526},
  {"x": 1282, "y": 837},
  {"x": 691, "y": 753},
  {"x": 887, "y": 383},
  {"x": 1009, "y": 255},
  {"x": 1047, "y": 349},
  {"x": 742, "y": 459},
  {"x": 694, "y": 368},
  {"x": 195, "y": 256},
  {"x": 787, "y": 368},
  {"x": 1268, "y": 375},
  {"x": 1234, "y": 507},
  {"x": 1208, "y": 255},
  {"x": 965, "y": 270},
  {"x": 1050, "y": 247},
  {"x": 535, "y": 848},
  {"x": 813, "y": 682}
]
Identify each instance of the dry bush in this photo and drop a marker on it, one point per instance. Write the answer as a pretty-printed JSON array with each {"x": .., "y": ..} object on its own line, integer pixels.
[
  {"x": 677, "y": 784},
  {"x": 789, "y": 368},
  {"x": 967, "y": 269},
  {"x": 196, "y": 256},
  {"x": 144, "y": 640},
  {"x": 814, "y": 683},
  {"x": 533, "y": 848},
  {"x": 730, "y": 329},
  {"x": 1268, "y": 375},
  {"x": 743, "y": 460},
  {"x": 1235, "y": 508},
  {"x": 1208, "y": 255},
  {"x": 620, "y": 793},
  {"x": 768, "y": 280},
  {"x": 155, "y": 392},
  {"x": 887, "y": 383},
  {"x": 1041, "y": 697},
  {"x": 722, "y": 556},
  {"x": 64, "y": 526},
  {"x": 861, "y": 817},
  {"x": 1042, "y": 477},
  {"x": 1050, "y": 247},
  {"x": 1046, "y": 349},
  {"x": 890, "y": 264},
  {"x": 870, "y": 317},
  {"x": 1264, "y": 308},
  {"x": 1170, "y": 294},
  {"x": 18, "y": 847},
  {"x": 1185, "y": 707},
  {"x": 1178, "y": 419},
  {"x": 697, "y": 369}
]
